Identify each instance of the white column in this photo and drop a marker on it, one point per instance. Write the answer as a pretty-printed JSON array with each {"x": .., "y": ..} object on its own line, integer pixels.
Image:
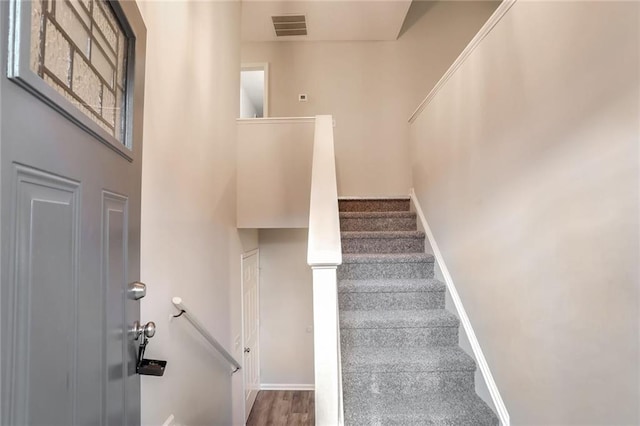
[{"x": 325, "y": 318}]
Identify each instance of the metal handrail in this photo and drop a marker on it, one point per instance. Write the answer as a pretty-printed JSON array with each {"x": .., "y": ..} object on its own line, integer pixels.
[{"x": 177, "y": 302}]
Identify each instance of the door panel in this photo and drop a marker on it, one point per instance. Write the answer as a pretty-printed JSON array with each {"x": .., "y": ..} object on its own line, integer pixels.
[
  {"x": 70, "y": 240},
  {"x": 114, "y": 249},
  {"x": 45, "y": 284}
]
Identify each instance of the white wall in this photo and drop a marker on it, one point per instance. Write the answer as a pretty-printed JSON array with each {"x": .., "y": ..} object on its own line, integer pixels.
[
  {"x": 526, "y": 165},
  {"x": 286, "y": 308},
  {"x": 370, "y": 88},
  {"x": 190, "y": 247}
]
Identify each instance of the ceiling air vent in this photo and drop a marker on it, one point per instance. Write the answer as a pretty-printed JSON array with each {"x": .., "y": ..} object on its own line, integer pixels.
[{"x": 290, "y": 25}]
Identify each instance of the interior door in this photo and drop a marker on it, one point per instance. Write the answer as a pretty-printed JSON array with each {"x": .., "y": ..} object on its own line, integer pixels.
[
  {"x": 71, "y": 113},
  {"x": 250, "y": 328}
]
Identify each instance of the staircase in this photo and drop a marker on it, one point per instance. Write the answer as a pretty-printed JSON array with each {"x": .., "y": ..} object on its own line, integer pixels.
[{"x": 401, "y": 363}]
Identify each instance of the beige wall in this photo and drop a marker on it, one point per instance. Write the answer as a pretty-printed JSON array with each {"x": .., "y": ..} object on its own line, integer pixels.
[
  {"x": 190, "y": 247},
  {"x": 370, "y": 88},
  {"x": 526, "y": 164},
  {"x": 274, "y": 172},
  {"x": 286, "y": 308}
]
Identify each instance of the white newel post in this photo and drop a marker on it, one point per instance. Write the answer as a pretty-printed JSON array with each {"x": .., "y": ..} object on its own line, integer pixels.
[
  {"x": 327, "y": 365},
  {"x": 324, "y": 256}
]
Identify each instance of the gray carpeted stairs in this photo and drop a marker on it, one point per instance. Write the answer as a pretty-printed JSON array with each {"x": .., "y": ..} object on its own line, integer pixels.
[{"x": 401, "y": 364}]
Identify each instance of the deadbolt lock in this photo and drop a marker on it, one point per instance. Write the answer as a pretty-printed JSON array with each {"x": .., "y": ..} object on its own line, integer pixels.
[{"x": 136, "y": 290}]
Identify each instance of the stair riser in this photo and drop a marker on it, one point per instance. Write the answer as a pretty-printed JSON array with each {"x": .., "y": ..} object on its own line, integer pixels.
[
  {"x": 359, "y": 385},
  {"x": 383, "y": 245},
  {"x": 373, "y": 205},
  {"x": 378, "y": 224},
  {"x": 391, "y": 301},
  {"x": 363, "y": 271},
  {"x": 399, "y": 337}
]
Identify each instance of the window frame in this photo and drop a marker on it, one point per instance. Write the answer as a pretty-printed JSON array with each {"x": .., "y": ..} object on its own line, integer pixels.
[{"x": 19, "y": 71}]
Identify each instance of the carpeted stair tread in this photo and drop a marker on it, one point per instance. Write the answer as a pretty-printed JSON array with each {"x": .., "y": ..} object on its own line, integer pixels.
[
  {"x": 385, "y": 266},
  {"x": 400, "y": 359},
  {"x": 374, "y": 204},
  {"x": 398, "y": 319},
  {"x": 437, "y": 409},
  {"x": 378, "y": 221},
  {"x": 375, "y": 215},
  {"x": 392, "y": 294},
  {"x": 382, "y": 241},
  {"x": 387, "y": 258},
  {"x": 391, "y": 286},
  {"x": 381, "y": 234}
]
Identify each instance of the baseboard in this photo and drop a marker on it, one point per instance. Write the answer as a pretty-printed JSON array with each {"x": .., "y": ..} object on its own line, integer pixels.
[
  {"x": 286, "y": 386},
  {"x": 481, "y": 361}
]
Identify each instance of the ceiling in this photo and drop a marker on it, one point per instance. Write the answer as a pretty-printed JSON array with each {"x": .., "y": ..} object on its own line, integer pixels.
[{"x": 327, "y": 20}]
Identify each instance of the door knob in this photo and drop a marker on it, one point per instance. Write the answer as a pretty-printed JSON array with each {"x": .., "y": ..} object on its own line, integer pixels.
[
  {"x": 247, "y": 350},
  {"x": 149, "y": 329}
]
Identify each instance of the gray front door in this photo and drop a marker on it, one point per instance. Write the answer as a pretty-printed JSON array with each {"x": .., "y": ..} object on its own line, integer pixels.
[{"x": 70, "y": 173}]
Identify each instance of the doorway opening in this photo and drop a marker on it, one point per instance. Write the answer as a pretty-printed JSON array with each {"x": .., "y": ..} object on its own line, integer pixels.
[{"x": 254, "y": 90}]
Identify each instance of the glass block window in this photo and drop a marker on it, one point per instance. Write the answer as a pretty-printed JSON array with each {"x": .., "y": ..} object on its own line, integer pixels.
[{"x": 80, "y": 49}]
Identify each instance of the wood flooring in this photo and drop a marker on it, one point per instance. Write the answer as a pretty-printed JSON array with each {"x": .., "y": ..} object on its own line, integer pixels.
[{"x": 283, "y": 408}]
